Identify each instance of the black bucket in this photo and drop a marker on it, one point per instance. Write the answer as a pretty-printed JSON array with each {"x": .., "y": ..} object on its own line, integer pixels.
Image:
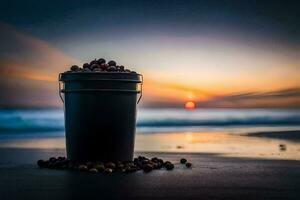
[{"x": 100, "y": 114}]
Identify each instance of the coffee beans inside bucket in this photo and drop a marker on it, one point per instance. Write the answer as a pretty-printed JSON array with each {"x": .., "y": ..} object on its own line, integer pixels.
[
  {"x": 100, "y": 65},
  {"x": 139, "y": 163}
]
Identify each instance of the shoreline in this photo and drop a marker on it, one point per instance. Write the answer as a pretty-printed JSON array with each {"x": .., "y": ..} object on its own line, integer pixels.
[
  {"x": 265, "y": 144},
  {"x": 293, "y": 136}
]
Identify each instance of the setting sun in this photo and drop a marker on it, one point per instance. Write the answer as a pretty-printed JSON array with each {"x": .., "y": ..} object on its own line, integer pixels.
[{"x": 189, "y": 105}]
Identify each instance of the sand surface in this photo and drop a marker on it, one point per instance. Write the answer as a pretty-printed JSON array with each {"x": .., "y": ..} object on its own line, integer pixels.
[{"x": 212, "y": 177}]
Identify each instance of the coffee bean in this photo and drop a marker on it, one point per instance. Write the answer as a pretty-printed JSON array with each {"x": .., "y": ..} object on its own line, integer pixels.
[
  {"x": 183, "y": 160},
  {"x": 147, "y": 168},
  {"x": 41, "y": 163},
  {"x": 46, "y": 163},
  {"x": 86, "y": 65},
  {"x": 138, "y": 163},
  {"x": 120, "y": 166},
  {"x": 125, "y": 169},
  {"x": 98, "y": 65},
  {"x": 61, "y": 158},
  {"x": 118, "y": 163},
  {"x": 101, "y": 60},
  {"x": 169, "y": 166},
  {"x": 104, "y": 66},
  {"x": 83, "y": 168},
  {"x": 112, "y": 63},
  {"x": 122, "y": 68},
  {"x": 100, "y": 167},
  {"x": 93, "y": 170},
  {"x": 94, "y": 62},
  {"x": 108, "y": 170},
  {"x": 110, "y": 165},
  {"x": 52, "y": 159},
  {"x": 94, "y": 66},
  {"x": 132, "y": 169},
  {"x": 74, "y": 68},
  {"x": 90, "y": 164},
  {"x": 111, "y": 68},
  {"x": 188, "y": 165},
  {"x": 141, "y": 158},
  {"x": 144, "y": 162},
  {"x": 159, "y": 165},
  {"x": 166, "y": 163},
  {"x": 58, "y": 164},
  {"x": 51, "y": 165}
]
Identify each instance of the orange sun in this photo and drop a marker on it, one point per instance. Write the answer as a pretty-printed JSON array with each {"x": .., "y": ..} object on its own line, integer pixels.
[{"x": 190, "y": 105}]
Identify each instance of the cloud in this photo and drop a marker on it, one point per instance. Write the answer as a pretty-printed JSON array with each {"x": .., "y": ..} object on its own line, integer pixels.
[
  {"x": 289, "y": 97},
  {"x": 25, "y": 56},
  {"x": 29, "y": 68}
]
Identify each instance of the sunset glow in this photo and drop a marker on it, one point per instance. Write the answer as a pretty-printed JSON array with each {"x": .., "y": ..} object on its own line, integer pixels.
[{"x": 194, "y": 62}]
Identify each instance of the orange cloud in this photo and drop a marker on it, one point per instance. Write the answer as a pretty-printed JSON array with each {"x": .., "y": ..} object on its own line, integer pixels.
[
  {"x": 24, "y": 56},
  {"x": 29, "y": 69}
]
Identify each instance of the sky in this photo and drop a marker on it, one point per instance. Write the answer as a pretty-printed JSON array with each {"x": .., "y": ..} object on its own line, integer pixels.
[{"x": 226, "y": 53}]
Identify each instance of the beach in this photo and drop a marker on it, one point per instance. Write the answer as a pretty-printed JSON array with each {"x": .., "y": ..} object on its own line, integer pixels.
[
  {"x": 232, "y": 158},
  {"x": 211, "y": 177}
]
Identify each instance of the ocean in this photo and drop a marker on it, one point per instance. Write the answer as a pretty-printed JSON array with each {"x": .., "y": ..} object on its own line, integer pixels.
[
  {"x": 219, "y": 131},
  {"x": 47, "y": 122}
]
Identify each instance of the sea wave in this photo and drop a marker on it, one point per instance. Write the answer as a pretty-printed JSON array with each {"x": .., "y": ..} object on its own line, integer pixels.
[{"x": 53, "y": 119}]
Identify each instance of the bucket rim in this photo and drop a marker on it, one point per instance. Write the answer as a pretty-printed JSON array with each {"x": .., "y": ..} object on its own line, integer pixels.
[{"x": 101, "y": 76}]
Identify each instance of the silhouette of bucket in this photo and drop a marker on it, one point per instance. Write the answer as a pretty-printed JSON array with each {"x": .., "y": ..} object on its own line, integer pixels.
[{"x": 100, "y": 114}]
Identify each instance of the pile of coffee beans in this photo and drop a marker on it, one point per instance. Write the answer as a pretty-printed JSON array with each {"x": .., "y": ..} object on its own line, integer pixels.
[
  {"x": 100, "y": 65},
  {"x": 139, "y": 163},
  {"x": 185, "y": 162}
]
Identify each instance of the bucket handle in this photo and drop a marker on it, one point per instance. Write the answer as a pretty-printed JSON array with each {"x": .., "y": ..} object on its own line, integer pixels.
[
  {"x": 141, "y": 93},
  {"x": 60, "y": 89}
]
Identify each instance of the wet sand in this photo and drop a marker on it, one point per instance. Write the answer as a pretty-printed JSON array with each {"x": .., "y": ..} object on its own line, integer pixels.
[
  {"x": 262, "y": 145},
  {"x": 284, "y": 135},
  {"x": 212, "y": 177}
]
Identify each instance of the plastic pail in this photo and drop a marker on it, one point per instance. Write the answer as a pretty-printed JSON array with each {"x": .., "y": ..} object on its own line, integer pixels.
[{"x": 100, "y": 114}]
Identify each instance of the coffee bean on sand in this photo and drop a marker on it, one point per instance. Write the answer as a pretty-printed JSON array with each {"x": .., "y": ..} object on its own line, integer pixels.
[
  {"x": 93, "y": 170},
  {"x": 169, "y": 166},
  {"x": 147, "y": 168},
  {"x": 41, "y": 163},
  {"x": 188, "y": 165},
  {"x": 83, "y": 168},
  {"x": 100, "y": 167},
  {"x": 183, "y": 160},
  {"x": 138, "y": 163},
  {"x": 108, "y": 170},
  {"x": 90, "y": 164}
]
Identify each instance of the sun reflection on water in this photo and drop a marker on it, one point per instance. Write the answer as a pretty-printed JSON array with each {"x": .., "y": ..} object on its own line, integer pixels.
[{"x": 225, "y": 144}]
